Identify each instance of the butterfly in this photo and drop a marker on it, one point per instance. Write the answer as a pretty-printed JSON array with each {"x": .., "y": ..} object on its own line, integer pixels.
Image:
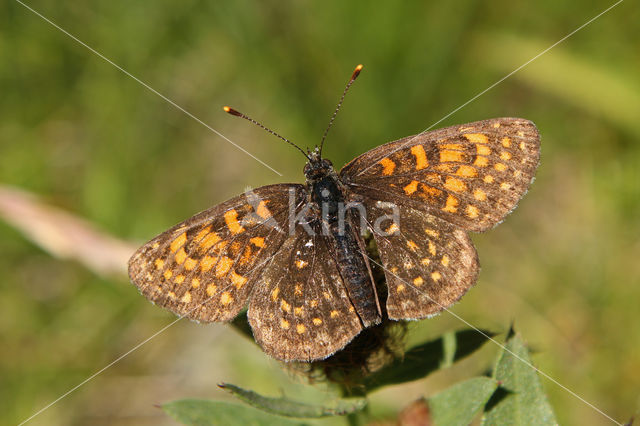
[{"x": 295, "y": 253}]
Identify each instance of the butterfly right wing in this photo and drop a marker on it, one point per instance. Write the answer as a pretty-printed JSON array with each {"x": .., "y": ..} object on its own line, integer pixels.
[
  {"x": 428, "y": 263},
  {"x": 206, "y": 267}
]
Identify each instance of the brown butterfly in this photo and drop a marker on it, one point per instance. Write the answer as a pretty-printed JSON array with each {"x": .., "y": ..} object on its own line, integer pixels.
[{"x": 295, "y": 252}]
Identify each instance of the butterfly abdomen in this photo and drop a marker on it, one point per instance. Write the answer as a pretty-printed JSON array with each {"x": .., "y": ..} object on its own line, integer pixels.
[{"x": 347, "y": 252}]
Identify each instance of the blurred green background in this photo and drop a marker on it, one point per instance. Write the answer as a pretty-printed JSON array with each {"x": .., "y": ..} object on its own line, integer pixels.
[{"x": 92, "y": 141}]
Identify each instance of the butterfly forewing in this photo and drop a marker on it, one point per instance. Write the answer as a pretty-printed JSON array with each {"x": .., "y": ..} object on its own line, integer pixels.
[
  {"x": 470, "y": 175},
  {"x": 429, "y": 263},
  {"x": 206, "y": 267},
  {"x": 300, "y": 310}
]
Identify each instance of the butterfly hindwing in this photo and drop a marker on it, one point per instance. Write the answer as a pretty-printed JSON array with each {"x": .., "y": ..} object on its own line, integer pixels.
[
  {"x": 300, "y": 309},
  {"x": 470, "y": 175},
  {"x": 428, "y": 263},
  {"x": 206, "y": 267}
]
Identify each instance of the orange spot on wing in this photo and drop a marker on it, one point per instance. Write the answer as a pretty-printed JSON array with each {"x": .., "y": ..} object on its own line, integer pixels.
[
  {"x": 421, "y": 157},
  {"x": 481, "y": 161},
  {"x": 479, "y": 195},
  {"x": 190, "y": 263},
  {"x": 456, "y": 185},
  {"x": 412, "y": 245},
  {"x": 451, "y": 205},
  {"x": 506, "y": 142},
  {"x": 262, "y": 210},
  {"x": 181, "y": 256},
  {"x": 208, "y": 240},
  {"x": 257, "y": 241},
  {"x": 451, "y": 156},
  {"x": 178, "y": 242},
  {"x": 411, "y": 188},
  {"x": 466, "y": 171},
  {"x": 483, "y": 150},
  {"x": 208, "y": 262},
  {"x": 430, "y": 191},
  {"x": 472, "y": 212},
  {"x": 224, "y": 265},
  {"x": 432, "y": 233},
  {"x": 388, "y": 166},
  {"x": 226, "y": 298},
  {"x": 231, "y": 219},
  {"x": 476, "y": 137},
  {"x": 392, "y": 229},
  {"x": 500, "y": 167},
  {"x": 432, "y": 248},
  {"x": 238, "y": 280},
  {"x": 202, "y": 233}
]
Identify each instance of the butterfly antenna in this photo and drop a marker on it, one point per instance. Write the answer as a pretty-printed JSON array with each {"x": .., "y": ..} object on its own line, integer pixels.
[
  {"x": 355, "y": 75},
  {"x": 237, "y": 113}
]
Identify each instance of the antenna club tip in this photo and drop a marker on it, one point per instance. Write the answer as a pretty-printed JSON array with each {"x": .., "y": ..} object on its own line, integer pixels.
[
  {"x": 231, "y": 111},
  {"x": 356, "y": 72}
]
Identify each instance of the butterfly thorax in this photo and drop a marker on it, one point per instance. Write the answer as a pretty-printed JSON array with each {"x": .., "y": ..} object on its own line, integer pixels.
[{"x": 337, "y": 222}]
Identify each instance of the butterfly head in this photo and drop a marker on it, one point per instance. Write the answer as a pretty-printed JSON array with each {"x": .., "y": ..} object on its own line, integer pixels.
[{"x": 317, "y": 167}]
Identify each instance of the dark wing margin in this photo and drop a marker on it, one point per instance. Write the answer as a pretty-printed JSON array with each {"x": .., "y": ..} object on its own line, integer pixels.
[
  {"x": 429, "y": 264},
  {"x": 300, "y": 310},
  {"x": 470, "y": 175},
  {"x": 206, "y": 267}
]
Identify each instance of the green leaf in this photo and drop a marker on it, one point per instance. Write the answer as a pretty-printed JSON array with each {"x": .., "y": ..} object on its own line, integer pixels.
[
  {"x": 199, "y": 412},
  {"x": 459, "y": 404},
  {"x": 520, "y": 400},
  {"x": 289, "y": 408},
  {"x": 423, "y": 359}
]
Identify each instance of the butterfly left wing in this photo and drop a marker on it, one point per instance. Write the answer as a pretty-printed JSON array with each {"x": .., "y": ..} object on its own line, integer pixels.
[
  {"x": 442, "y": 183},
  {"x": 205, "y": 268},
  {"x": 470, "y": 175},
  {"x": 300, "y": 310}
]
